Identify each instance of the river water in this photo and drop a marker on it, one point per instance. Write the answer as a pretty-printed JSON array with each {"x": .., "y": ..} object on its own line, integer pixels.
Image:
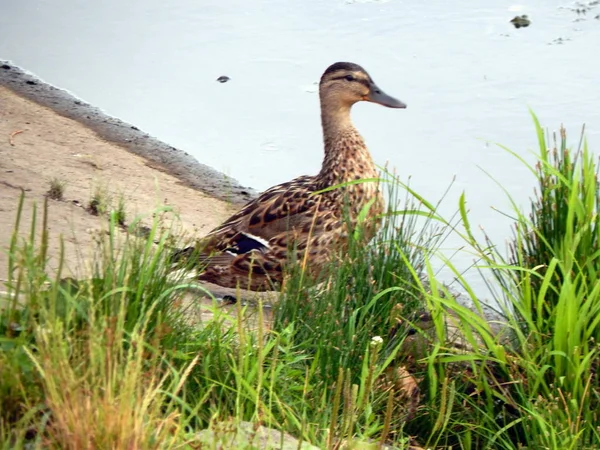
[{"x": 467, "y": 75}]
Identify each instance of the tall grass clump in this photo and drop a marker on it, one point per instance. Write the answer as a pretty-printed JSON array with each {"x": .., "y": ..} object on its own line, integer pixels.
[
  {"x": 557, "y": 303},
  {"x": 563, "y": 223},
  {"x": 534, "y": 385},
  {"x": 86, "y": 361}
]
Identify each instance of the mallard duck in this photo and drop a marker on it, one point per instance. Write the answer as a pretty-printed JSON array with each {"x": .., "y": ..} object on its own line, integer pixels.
[{"x": 251, "y": 248}]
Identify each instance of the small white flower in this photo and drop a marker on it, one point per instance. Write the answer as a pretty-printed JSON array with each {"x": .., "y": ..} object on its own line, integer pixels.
[{"x": 376, "y": 340}]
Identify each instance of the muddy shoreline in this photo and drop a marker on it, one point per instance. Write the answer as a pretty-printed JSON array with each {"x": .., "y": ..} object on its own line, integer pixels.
[{"x": 159, "y": 155}]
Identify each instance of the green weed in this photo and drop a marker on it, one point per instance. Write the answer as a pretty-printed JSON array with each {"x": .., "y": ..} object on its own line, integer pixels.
[{"x": 56, "y": 191}]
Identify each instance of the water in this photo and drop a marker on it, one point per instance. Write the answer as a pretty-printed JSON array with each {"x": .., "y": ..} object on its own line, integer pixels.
[{"x": 466, "y": 74}]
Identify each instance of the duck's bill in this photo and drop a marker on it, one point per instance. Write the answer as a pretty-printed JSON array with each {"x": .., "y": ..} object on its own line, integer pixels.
[{"x": 376, "y": 95}]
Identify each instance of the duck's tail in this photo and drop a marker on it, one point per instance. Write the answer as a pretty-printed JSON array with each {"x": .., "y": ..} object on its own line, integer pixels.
[{"x": 186, "y": 265}]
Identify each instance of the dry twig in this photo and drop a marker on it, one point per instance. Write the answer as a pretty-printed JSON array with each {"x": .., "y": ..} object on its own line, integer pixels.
[{"x": 12, "y": 137}]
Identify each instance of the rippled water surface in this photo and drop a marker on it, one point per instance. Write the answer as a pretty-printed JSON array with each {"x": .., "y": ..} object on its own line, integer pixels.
[{"x": 466, "y": 74}]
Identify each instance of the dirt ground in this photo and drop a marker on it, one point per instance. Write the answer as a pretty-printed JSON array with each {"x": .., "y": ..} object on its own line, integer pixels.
[{"x": 38, "y": 145}]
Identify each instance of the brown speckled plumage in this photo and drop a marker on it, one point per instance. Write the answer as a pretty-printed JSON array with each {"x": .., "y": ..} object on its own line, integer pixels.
[{"x": 252, "y": 247}]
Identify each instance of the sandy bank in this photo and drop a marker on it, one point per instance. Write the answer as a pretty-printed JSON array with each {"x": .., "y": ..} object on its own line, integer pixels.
[{"x": 47, "y": 134}]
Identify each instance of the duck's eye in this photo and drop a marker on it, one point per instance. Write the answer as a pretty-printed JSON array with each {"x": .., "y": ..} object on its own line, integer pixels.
[{"x": 349, "y": 78}]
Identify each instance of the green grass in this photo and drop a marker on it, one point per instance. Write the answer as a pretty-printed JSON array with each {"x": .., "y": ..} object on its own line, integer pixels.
[
  {"x": 375, "y": 351},
  {"x": 538, "y": 386},
  {"x": 100, "y": 201},
  {"x": 56, "y": 189}
]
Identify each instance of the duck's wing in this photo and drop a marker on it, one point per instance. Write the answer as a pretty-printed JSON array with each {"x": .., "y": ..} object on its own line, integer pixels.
[
  {"x": 261, "y": 223},
  {"x": 255, "y": 239},
  {"x": 286, "y": 207},
  {"x": 251, "y": 248}
]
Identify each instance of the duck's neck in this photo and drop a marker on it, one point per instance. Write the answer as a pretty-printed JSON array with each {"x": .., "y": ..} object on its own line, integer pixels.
[{"x": 346, "y": 155}]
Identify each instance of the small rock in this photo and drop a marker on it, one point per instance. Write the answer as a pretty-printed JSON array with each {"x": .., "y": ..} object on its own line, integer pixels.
[
  {"x": 32, "y": 83},
  {"x": 229, "y": 300},
  {"x": 229, "y": 436},
  {"x": 223, "y": 79},
  {"x": 521, "y": 21},
  {"x": 5, "y": 66}
]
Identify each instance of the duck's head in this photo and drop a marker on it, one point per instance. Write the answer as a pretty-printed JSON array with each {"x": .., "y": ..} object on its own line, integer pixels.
[{"x": 347, "y": 83}]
